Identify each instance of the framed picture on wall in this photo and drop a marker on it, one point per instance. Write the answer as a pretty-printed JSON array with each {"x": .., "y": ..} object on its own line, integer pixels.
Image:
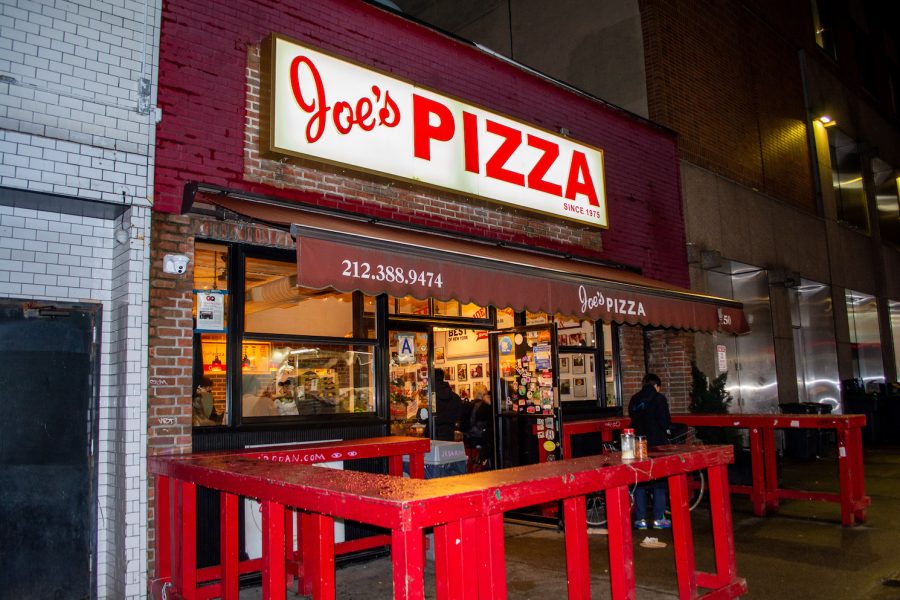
[
  {"x": 476, "y": 371},
  {"x": 579, "y": 387},
  {"x": 578, "y": 364},
  {"x": 439, "y": 354},
  {"x": 563, "y": 339},
  {"x": 563, "y": 364},
  {"x": 565, "y": 387},
  {"x": 450, "y": 373},
  {"x": 462, "y": 373},
  {"x": 464, "y": 391}
]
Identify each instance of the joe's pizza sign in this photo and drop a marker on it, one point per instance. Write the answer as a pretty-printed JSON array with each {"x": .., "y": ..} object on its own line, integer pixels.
[{"x": 336, "y": 111}]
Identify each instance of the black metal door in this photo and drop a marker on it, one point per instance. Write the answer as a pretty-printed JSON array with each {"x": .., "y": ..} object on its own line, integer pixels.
[{"x": 47, "y": 430}]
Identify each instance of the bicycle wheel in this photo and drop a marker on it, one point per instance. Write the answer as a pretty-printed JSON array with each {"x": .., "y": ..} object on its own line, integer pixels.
[
  {"x": 696, "y": 481},
  {"x": 595, "y": 507}
]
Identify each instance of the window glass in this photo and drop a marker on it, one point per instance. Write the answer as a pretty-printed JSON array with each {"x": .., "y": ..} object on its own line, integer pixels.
[
  {"x": 574, "y": 332},
  {"x": 847, "y": 181},
  {"x": 823, "y": 21},
  {"x": 274, "y": 304},
  {"x": 506, "y": 318},
  {"x": 865, "y": 340},
  {"x": 894, "y": 309},
  {"x": 577, "y": 380},
  {"x": 538, "y": 318},
  {"x": 610, "y": 367},
  {"x": 408, "y": 306},
  {"x": 210, "y": 406},
  {"x": 284, "y": 379},
  {"x": 887, "y": 200}
]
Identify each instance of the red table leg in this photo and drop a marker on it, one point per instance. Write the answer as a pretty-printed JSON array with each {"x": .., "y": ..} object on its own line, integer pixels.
[
  {"x": 163, "y": 526},
  {"x": 577, "y": 564},
  {"x": 682, "y": 537},
  {"x": 407, "y": 555},
  {"x": 417, "y": 466},
  {"x": 483, "y": 537},
  {"x": 317, "y": 537},
  {"x": 757, "y": 472},
  {"x": 452, "y": 566},
  {"x": 621, "y": 557},
  {"x": 185, "y": 576},
  {"x": 770, "y": 459},
  {"x": 855, "y": 451},
  {"x": 228, "y": 544},
  {"x": 273, "y": 578},
  {"x": 395, "y": 466},
  {"x": 720, "y": 513}
]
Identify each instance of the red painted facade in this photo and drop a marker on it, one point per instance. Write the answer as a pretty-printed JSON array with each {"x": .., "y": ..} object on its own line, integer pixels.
[{"x": 208, "y": 81}]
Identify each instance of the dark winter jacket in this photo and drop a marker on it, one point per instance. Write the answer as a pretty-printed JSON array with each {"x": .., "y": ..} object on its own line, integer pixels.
[
  {"x": 649, "y": 412},
  {"x": 449, "y": 406}
]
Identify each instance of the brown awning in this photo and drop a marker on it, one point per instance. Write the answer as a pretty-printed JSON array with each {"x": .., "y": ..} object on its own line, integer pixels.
[{"x": 352, "y": 255}]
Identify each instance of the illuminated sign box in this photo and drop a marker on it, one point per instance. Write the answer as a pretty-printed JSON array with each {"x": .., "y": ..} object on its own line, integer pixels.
[{"x": 335, "y": 111}]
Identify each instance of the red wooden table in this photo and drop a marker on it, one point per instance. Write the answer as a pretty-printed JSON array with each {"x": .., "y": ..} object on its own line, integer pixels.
[
  {"x": 392, "y": 448},
  {"x": 764, "y": 492},
  {"x": 466, "y": 513}
]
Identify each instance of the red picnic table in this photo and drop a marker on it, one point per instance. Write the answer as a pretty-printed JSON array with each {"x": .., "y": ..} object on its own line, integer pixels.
[
  {"x": 465, "y": 511},
  {"x": 764, "y": 492}
]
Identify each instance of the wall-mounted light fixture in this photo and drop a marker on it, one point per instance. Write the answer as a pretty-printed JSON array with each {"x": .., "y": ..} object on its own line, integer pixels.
[{"x": 826, "y": 121}]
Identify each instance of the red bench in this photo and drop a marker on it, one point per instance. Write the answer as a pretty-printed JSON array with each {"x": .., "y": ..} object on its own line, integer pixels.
[{"x": 466, "y": 513}]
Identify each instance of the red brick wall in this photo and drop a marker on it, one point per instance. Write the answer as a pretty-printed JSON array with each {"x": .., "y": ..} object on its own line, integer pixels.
[
  {"x": 207, "y": 57},
  {"x": 668, "y": 354},
  {"x": 730, "y": 85}
]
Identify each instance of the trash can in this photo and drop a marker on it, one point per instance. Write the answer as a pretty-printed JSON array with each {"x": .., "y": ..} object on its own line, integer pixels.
[
  {"x": 805, "y": 444},
  {"x": 443, "y": 460}
]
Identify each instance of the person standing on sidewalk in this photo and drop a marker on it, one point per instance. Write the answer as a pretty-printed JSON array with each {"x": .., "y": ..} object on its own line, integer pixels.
[{"x": 649, "y": 412}]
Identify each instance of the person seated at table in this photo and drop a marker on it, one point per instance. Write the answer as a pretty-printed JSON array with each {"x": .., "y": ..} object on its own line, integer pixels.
[
  {"x": 257, "y": 400},
  {"x": 649, "y": 412}
]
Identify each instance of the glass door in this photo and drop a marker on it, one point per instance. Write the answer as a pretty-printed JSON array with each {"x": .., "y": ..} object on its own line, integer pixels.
[
  {"x": 525, "y": 384},
  {"x": 409, "y": 391}
]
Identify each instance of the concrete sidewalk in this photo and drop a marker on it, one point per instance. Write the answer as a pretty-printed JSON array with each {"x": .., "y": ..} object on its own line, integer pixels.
[{"x": 803, "y": 552}]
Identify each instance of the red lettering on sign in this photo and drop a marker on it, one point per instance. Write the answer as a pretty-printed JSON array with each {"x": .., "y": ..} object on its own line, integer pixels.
[
  {"x": 495, "y": 167},
  {"x": 424, "y": 131},
  {"x": 536, "y": 179},
  {"x": 580, "y": 181},
  {"x": 470, "y": 140},
  {"x": 345, "y": 115}
]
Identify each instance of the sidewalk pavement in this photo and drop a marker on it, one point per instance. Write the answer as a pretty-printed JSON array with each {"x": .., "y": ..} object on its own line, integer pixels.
[{"x": 803, "y": 552}]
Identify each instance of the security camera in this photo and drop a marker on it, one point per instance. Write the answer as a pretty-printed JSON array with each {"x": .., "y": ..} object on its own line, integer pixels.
[{"x": 175, "y": 263}]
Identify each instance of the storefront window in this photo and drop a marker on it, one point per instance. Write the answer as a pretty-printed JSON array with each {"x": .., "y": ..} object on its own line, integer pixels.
[
  {"x": 577, "y": 379},
  {"x": 282, "y": 380},
  {"x": 463, "y": 355},
  {"x": 436, "y": 308},
  {"x": 210, "y": 314},
  {"x": 274, "y": 304},
  {"x": 610, "y": 366},
  {"x": 506, "y": 318}
]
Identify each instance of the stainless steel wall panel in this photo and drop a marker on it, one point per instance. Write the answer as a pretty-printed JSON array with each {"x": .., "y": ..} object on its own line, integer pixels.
[{"x": 815, "y": 349}]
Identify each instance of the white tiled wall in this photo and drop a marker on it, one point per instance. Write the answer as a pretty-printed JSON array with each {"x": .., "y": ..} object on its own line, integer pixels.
[{"x": 77, "y": 118}]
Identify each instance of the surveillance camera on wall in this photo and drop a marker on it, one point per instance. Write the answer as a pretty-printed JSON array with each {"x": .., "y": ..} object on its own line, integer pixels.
[{"x": 175, "y": 263}]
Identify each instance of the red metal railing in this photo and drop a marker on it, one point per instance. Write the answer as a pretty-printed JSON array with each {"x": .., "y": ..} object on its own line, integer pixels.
[
  {"x": 466, "y": 513},
  {"x": 764, "y": 491}
]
